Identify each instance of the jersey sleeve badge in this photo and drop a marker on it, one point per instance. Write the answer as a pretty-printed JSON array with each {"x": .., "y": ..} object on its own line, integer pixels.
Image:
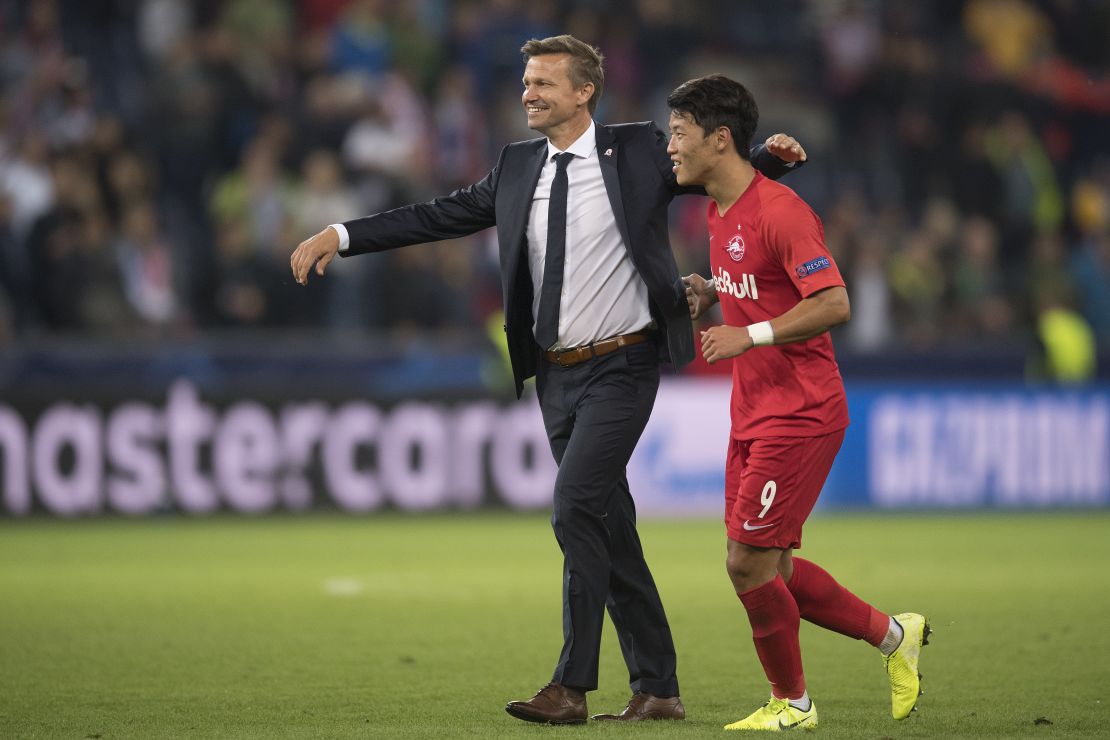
[{"x": 814, "y": 265}]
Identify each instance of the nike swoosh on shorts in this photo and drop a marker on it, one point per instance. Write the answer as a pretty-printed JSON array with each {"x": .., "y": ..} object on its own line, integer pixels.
[{"x": 752, "y": 527}]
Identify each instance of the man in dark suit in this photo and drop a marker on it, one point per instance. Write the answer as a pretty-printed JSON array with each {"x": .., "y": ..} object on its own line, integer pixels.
[{"x": 593, "y": 303}]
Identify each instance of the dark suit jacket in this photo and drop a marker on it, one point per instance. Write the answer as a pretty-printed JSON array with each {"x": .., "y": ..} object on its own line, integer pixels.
[{"x": 640, "y": 184}]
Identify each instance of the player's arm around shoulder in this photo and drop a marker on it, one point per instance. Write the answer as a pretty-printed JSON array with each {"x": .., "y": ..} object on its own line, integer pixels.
[{"x": 778, "y": 156}]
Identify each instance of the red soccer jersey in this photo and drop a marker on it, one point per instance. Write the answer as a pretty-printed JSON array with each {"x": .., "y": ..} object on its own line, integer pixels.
[{"x": 768, "y": 252}]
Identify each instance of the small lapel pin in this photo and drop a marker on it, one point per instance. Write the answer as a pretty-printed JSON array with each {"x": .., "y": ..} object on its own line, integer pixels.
[{"x": 608, "y": 152}]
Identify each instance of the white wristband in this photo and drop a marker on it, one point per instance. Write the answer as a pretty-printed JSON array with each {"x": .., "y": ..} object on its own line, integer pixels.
[{"x": 762, "y": 334}]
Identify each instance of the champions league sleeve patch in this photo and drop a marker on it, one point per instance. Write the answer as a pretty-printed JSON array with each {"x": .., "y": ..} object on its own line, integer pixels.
[{"x": 815, "y": 265}]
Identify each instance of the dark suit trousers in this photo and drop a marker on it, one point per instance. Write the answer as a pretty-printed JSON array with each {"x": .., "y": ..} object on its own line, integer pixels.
[{"x": 594, "y": 413}]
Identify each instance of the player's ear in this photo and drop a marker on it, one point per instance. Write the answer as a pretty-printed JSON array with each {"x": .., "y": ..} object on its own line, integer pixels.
[{"x": 724, "y": 138}]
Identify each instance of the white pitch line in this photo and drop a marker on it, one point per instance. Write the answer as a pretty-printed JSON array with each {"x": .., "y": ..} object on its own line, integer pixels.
[{"x": 343, "y": 586}]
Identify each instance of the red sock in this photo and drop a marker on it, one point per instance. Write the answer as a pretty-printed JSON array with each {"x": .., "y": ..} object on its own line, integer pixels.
[
  {"x": 774, "y": 617},
  {"x": 826, "y": 603}
]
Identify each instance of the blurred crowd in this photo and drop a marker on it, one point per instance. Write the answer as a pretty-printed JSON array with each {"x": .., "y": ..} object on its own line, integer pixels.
[{"x": 160, "y": 159}]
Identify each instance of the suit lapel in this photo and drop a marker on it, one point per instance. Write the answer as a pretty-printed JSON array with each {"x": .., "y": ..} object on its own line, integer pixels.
[
  {"x": 518, "y": 209},
  {"x": 607, "y": 154}
]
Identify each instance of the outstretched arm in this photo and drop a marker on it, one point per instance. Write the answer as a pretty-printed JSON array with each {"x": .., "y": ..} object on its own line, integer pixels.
[
  {"x": 463, "y": 212},
  {"x": 317, "y": 250}
]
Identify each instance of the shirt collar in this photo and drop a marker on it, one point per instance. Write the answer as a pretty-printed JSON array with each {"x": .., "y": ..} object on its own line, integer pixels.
[{"x": 584, "y": 146}]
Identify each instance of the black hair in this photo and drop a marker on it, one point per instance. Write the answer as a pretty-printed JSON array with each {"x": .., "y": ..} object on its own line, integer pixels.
[{"x": 714, "y": 101}]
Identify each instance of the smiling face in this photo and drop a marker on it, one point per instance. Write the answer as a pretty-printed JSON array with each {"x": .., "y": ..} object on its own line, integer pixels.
[
  {"x": 551, "y": 101},
  {"x": 693, "y": 153}
]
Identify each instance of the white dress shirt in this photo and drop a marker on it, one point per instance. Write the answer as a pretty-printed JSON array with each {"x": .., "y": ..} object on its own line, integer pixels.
[{"x": 603, "y": 295}]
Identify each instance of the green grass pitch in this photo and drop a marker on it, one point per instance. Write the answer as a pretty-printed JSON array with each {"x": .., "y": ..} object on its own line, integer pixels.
[{"x": 404, "y": 626}]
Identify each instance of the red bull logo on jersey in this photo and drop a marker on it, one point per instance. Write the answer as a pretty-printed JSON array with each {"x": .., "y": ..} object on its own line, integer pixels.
[
  {"x": 735, "y": 248},
  {"x": 743, "y": 286}
]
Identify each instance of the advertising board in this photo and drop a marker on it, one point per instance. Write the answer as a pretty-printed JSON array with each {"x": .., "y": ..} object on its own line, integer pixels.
[{"x": 909, "y": 446}]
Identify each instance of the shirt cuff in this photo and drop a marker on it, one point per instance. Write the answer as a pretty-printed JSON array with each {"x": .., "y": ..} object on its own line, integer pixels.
[{"x": 344, "y": 237}]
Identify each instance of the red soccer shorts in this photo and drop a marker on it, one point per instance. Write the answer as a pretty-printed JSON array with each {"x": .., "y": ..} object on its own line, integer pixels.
[{"x": 772, "y": 484}]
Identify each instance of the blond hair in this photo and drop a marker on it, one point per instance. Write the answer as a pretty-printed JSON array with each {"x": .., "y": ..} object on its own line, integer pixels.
[{"x": 585, "y": 64}]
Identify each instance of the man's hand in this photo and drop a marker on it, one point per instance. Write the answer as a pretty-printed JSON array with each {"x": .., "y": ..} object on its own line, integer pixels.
[
  {"x": 700, "y": 294},
  {"x": 723, "y": 342},
  {"x": 318, "y": 250},
  {"x": 785, "y": 148}
]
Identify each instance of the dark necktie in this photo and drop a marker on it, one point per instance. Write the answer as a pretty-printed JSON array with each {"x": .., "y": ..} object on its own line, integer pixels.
[{"x": 547, "y": 323}]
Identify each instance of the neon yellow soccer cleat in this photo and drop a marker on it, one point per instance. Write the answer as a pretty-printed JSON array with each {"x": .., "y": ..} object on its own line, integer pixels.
[
  {"x": 901, "y": 665},
  {"x": 776, "y": 715}
]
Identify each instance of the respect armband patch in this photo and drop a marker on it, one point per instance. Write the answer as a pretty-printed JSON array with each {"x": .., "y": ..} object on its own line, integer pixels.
[{"x": 815, "y": 265}]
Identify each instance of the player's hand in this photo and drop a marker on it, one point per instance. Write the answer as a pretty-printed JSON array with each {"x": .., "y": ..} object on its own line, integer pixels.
[
  {"x": 317, "y": 250},
  {"x": 723, "y": 342},
  {"x": 785, "y": 148},
  {"x": 700, "y": 294}
]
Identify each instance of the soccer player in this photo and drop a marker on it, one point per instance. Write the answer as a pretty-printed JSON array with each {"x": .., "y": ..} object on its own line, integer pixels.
[{"x": 780, "y": 293}]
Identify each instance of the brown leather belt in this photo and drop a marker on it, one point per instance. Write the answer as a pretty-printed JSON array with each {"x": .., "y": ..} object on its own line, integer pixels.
[{"x": 575, "y": 355}]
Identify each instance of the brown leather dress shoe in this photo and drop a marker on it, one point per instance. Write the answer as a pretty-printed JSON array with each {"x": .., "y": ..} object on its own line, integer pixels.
[
  {"x": 554, "y": 704},
  {"x": 646, "y": 706}
]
